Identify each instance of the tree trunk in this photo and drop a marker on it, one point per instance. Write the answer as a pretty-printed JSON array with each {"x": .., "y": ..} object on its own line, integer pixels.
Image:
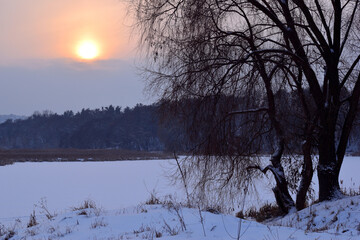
[
  {"x": 328, "y": 173},
  {"x": 329, "y": 187},
  {"x": 307, "y": 168},
  {"x": 306, "y": 176},
  {"x": 281, "y": 192}
]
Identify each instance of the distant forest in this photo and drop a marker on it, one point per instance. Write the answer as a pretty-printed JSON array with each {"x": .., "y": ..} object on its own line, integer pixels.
[
  {"x": 146, "y": 127},
  {"x": 112, "y": 127}
]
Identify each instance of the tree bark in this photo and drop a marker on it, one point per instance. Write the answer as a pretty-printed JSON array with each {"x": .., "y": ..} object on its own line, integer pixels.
[
  {"x": 306, "y": 176},
  {"x": 329, "y": 187},
  {"x": 328, "y": 174},
  {"x": 281, "y": 192}
]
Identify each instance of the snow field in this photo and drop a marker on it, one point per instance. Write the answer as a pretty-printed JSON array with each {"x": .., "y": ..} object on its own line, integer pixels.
[
  {"x": 165, "y": 222},
  {"x": 112, "y": 185},
  {"x": 340, "y": 217}
]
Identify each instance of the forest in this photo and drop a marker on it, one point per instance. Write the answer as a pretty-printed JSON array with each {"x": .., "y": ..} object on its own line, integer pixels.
[
  {"x": 109, "y": 127},
  {"x": 146, "y": 128}
]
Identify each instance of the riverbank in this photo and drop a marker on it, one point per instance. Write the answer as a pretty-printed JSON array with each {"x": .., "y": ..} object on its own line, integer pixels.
[{"x": 72, "y": 155}]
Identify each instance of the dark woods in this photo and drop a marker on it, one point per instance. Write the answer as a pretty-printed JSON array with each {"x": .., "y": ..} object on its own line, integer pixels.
[
  {"x": 196, "y": 125},
  {"x": 109, "y": 127}
]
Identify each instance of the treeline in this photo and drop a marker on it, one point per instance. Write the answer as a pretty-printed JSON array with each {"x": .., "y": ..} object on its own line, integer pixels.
[
  {"x": 240, "y": 126},
  {"x": 3, "y": 118},
  {"x": 166, "y": 126},
  {"x": 109, "y": 127}
]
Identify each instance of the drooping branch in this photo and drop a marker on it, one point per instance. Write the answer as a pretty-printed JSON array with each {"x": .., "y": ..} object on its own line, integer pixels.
[
  {"x": 350, "y": 71},
  {"x": 349, "y": 27},
  {"x": 323, "y": 21},
  {"x": 346, "y": 129}
]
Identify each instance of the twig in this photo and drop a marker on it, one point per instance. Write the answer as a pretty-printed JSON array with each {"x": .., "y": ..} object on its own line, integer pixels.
[{"x": 183, "y": 180}]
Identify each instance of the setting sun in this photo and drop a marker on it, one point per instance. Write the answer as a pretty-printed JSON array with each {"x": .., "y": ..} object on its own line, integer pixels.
[{"x": 88, "y": 50}]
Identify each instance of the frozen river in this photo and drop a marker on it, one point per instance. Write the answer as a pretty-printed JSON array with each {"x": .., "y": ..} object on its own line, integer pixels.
[
  {"x": 112, "y": 185},
  {"x": 64, "y": 185}
]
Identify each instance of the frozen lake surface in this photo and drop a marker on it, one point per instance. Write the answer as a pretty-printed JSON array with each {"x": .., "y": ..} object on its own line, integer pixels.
[{"x": 112, "y": 185}]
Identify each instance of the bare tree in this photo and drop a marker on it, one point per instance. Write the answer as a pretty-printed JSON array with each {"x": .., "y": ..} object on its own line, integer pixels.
[{"x": 209, "y": 48}]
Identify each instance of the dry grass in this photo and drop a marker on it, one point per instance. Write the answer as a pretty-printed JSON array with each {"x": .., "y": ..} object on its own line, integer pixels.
[
  {"x": 266, "y": 212},
  {"x": 69, "y": 155},
  {"x": 32, "y": 221},
  {"x": 87, "y": 204},
  {"x": 98, "y": 223}
]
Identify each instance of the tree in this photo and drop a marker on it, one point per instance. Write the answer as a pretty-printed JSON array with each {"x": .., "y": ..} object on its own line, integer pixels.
[{"x": 309, "y": 48}]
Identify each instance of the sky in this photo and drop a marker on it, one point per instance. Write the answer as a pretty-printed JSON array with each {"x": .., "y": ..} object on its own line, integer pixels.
[{"x": 40, "y": 65}]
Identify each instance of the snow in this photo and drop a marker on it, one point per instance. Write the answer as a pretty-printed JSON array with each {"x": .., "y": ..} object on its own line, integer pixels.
[
  {"x": 336, "y": 217},
  {"x": 163, "y": 222},
  {"x": 64, "y": 184},
  {"x": 118, "y": 188},
  {"x": 349, "y": 173}
]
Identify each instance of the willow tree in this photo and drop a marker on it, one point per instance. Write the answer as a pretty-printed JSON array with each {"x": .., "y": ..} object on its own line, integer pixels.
[{"x": 202, "y": 48}]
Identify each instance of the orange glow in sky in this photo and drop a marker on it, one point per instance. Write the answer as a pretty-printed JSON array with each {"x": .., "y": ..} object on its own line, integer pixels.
[
  {"x": 60, "y": 29},
  {"x": 54, "y": 54}
]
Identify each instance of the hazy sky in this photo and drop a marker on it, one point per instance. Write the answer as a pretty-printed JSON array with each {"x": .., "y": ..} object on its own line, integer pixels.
[{"x": 40, "y": 68}]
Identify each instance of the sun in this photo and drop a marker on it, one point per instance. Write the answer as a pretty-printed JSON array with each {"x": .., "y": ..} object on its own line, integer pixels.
[{"x": 88, "y": 50}]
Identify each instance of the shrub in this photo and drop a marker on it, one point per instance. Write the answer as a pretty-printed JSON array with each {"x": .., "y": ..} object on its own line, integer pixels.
[
  {"x": 85, "y": 205},
  {"x": 268, "y": 211},
  {"x": 153, "y": 200},
  {"x": 32, "y": 221}
]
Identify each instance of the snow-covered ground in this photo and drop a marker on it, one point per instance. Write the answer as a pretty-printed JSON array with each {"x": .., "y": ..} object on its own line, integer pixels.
[
  {"x": 340, "y": 217},
  {"x": 172, "y": 222},
  {"x": 113, "y": 185},
  {"x": 119, "y": 187}
]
